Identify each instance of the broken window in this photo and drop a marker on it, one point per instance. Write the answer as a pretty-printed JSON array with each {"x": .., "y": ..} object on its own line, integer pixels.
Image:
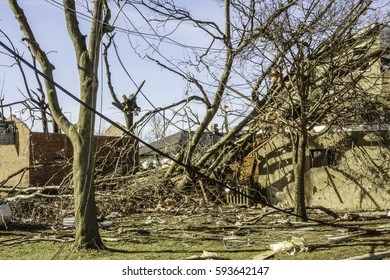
[
  {"x": 7, "y": 136},
  {"x": 360, "y": 63},
  {"x": 323, "y": 157},
  {"x": 359, "y": 51},
  {"x": 332, "y": 157},
  {"x": 385, "y": 63}
]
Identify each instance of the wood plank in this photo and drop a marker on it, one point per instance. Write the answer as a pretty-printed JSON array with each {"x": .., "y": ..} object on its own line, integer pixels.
[{"x": 264, "y": 255}]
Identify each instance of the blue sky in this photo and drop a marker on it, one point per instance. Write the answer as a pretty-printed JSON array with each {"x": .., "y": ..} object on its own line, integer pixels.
[
  {"x": 161, "y": 87},
  {"x": 48, "y": 24}
]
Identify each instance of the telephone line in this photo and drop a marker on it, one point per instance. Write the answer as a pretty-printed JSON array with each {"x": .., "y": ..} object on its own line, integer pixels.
[{"x": 151, "y": 36}]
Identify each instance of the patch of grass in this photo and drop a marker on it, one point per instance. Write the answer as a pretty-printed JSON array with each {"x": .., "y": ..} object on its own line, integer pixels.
[{"x": 164, "y": 236}]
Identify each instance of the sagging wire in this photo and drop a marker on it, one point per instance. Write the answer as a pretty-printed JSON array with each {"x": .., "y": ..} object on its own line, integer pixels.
[{"x": 151, "y": 36}]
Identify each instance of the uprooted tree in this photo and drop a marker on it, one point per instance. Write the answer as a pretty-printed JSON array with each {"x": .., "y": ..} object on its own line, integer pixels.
[
  {"x": 80, "y": 133},
  {"x": 309, "y": 41}
]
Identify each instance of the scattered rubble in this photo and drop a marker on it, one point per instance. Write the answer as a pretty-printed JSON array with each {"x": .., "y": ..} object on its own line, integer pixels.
[
  {"x": 356, "y": 217},
  {"x": 296, "y": 244},
  {"x": 69, "y": 222},
  {"x": 232, "y": 242},
  {"x": 206, "y": 255}
]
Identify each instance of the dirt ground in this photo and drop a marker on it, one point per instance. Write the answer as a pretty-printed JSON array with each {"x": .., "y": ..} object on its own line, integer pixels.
[{"x": 207, "y": 233}]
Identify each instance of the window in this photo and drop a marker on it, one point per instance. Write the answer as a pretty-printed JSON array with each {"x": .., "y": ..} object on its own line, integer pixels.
[
  {"x": 318, "y": 158},
  {"x": 7, "y": 136},
  {"x": 360, "y": 51},
  {"x": 385, "y": 63},
  {"x": 323, "y": 157},
  {"x": 359, "y": 62},
  {"x": 332, "y": 157}
]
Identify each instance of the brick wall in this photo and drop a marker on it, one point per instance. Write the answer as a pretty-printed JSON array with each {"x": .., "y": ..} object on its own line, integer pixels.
[
  {"x": 48, "y": 155},
  {"x": 52, "y": 153},
  {"x": 116, "y": 153}
]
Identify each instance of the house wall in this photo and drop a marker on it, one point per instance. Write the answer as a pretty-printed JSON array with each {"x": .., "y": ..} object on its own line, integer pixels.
[
  {"x": 15, "y": 157},
  {"x": 360, "y": 177},
  {"x": 371, "y": 75},
  {"x": 356, "y": 176}
]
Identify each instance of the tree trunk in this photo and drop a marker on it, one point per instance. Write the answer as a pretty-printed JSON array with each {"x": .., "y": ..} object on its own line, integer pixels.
[
  {"x": 87, "y": 231},
  {"x": 82, "y": 138},
  {"x": 81, "y": 134},
  {"x": 299, "y": 174}
]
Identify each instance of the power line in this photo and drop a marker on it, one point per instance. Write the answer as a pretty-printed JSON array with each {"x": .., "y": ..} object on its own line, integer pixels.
[
  {"x": 88, "y": 106},
  {"x": 145, "y": 37},
  {"x": 152, "y": 46},
  {"x": 157, "y": 37}
]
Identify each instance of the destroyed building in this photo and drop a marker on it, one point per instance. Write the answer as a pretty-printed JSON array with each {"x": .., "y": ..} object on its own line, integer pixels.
[
  {"x": 29, "y": 158},
  {"x": 347, "y": 166}
]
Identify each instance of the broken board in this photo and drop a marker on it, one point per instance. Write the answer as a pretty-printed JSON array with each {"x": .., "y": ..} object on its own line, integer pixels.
[{"x": 264, "y": 255}]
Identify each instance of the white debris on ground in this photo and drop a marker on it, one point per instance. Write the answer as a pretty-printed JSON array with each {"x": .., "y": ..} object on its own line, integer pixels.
[
  {"x": 296, "y": 244},
  {"x": 69, "y": 222},
  {"x": 206, "y": 255}
]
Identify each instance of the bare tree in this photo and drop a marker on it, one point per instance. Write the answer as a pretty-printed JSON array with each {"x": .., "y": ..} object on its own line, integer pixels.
[
  {"x": 35, "y": 100},
  {"x": 327, "y": 77},
  {"x": 232, "y": 43},
  {"x": 81, "y": 133},
  {"x": 129, "y": 105},
  {"x": 304, "y": 41}
]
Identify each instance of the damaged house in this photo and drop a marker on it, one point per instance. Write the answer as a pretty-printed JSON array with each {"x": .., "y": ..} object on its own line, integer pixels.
[
  {"x": 346, "y": 168},
  {"x": 29, "y": 158},
  {"x": 347, "y": 165},
  {"x": 174, "y": 144}
]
